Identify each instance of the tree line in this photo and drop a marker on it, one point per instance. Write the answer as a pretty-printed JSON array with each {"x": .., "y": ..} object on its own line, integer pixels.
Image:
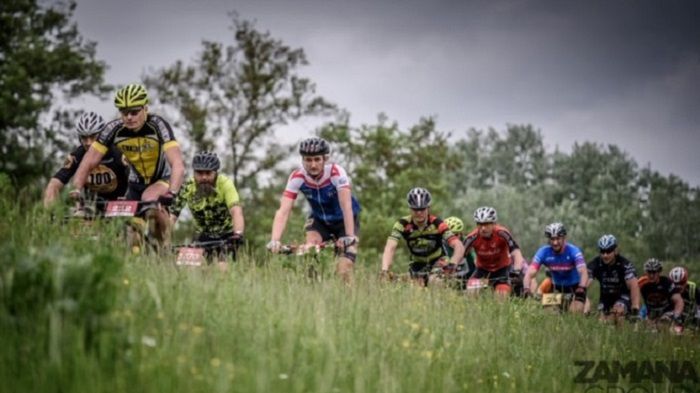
[{"x": 235, "y": 95}]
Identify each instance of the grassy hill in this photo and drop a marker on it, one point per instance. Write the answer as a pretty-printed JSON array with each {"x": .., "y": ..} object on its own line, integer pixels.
[{"x": 86, "y": 316}]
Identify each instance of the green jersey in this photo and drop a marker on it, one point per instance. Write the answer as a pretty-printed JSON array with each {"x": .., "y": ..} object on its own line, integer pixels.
[{"x": 212, "y": 213}]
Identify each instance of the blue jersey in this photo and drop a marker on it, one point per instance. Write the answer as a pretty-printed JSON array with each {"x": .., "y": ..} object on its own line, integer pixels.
[
  {"x": 322, "y": 193},
  {"x": 563, "y": 265}
]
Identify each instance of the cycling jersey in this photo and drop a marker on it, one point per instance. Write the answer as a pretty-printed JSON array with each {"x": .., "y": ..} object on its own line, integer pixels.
[
  {"x": 322, "y": 193},
  {"x": 212, "y": 213},
  {"x": 424, "y": 244},
  {"x": 563, "y": 265},
  {"x": 108, "y": 180},
  {"x": 492, "y": 253},
  {"x": 144, "y": 148},
  {"x": 691, "y": 300},
  {"x": 657, "y": 296},
  {"x": 468, "y": 261},
  {"x": 612, "y": 277}
]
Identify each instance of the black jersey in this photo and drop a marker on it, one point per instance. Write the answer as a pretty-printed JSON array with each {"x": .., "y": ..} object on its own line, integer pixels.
[
  {"x": 108, "y": 180},
  {"x": 657, "y": 296},
  {"x": 612, "y": 277}
]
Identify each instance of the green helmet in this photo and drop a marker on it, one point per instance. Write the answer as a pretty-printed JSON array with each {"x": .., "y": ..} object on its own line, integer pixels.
[
  {"x": 455, "y": 224},
  {"x": 131, "y": 95}
]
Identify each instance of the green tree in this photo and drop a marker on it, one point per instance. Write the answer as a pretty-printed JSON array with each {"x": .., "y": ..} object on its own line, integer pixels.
[
  {"x": 385, "y": 162},
  {"x": 242, "y": 91},
  {"x": 42, "y": 56}
]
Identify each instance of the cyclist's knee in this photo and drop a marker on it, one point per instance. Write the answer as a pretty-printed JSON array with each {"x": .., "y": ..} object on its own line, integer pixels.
[{"x": 503, "y": 288}]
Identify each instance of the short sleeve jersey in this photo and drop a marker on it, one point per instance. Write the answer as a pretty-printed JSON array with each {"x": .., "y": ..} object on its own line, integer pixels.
[
  {"x": 322, "y": 193},
  {"x": 657, "y": 295},
  {"x": 212, "y": 213},
  {"x": 492, "y": 253},
  {"x": 563, "y": 265},
  {"x": 108, "y": 180},
  {"x": 612, "y": 277},
  {"x": 144, "y": 149},
  {"x": 424, "y": 244}
]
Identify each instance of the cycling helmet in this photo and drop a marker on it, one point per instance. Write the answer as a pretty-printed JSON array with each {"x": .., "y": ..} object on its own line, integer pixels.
[
  {"x": 132, "y": 95},
  {"x": 314, "y": 147},
  {"x": 419, "y": 198},
  {"x": 652, "y": 265},
  {"x": 485, "y": 214},
  {"x": 455, "y": 224},
  {"x": 679, "y": 275},
  {"x": 206, "y": 161},
  {"x": 89, "y": 123},
  {"x": 555, "y": 229},
  {"x": 607, "y": 242}
]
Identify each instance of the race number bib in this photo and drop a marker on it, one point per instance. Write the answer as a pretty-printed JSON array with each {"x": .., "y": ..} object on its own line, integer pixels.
[
  {"x": 551, "y": 299},
  {"x": 121, "y": 208},
  {"x": 190, "y": 256}
]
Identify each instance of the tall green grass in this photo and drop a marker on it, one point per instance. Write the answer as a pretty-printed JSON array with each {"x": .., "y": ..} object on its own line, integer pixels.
[{"x": 85, "y": 315}]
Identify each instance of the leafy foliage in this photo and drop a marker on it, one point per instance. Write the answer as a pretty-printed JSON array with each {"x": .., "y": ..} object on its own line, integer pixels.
[
  {"x": 42, "y": 55},
  {"x": 242, "y": 92}
]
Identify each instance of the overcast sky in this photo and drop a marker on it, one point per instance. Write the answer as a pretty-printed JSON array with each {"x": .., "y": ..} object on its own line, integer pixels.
[{"x": 620, "y": 72}]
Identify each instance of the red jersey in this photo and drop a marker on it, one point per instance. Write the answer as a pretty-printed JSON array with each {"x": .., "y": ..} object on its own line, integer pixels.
[{"x": 492, "y": 253}]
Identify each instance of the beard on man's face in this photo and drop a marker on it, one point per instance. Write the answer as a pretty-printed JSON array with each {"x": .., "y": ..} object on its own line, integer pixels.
[{"x": 205, "y": 189}]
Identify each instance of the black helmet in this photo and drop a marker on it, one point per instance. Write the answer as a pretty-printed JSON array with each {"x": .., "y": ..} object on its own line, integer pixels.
[
  {"x": 206, "y": 161},
  {"x": 555, "y": 229},
  {"x": 314, "y": 147},
  {"x": 419, "y": 198}
]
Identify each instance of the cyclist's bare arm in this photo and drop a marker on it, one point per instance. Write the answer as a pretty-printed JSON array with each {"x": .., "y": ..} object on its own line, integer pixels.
[
  {"x": 53, "y": 188},
  {"x": 458, "y": 248},
  {"x": 583, "y": 272},
  {"x": 177, "y": 166},
  {"x": 529, "y": 275},
  {"x": 517, "y": 259},
  {"x": 677, "y": 304},
  {"x": 91, "y": 159},
  {"x": 237, "y": 217},
  {"x": 281, "y": 217},
  {"x": 389, "y": 251},
  {"x": 635, "y": 294},
  {"x": 345, "y": 200}
]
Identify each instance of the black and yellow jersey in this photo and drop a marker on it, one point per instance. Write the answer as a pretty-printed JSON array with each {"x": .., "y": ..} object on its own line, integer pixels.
[
  {"x": 144, "y": 149},
  {"x": 108, "y": 180},
  {"x": 211, "y": 214},
  {"x": 424, "y": 244}
]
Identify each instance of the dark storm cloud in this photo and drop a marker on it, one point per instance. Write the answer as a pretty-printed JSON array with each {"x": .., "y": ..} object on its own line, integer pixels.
[{"x": 622, "y": 72}]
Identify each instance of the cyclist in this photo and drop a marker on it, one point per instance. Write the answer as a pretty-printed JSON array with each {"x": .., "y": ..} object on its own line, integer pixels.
[
  {"x": 213, "y": 200},
  {"x": 424, "y": 234},
  {"x": 690, "y": 293},
  {"x": 619, "y": 289},
  {"x": 148, "y": 143},
  {"x": 494, "y": 246},
  {"x": 466, "y": 267},
  {"x": 566, "y": 262},
  {"x": 107, "y": 181},
  {"x": 334, "y": 210},
  {"x": 662, "y": 299}
]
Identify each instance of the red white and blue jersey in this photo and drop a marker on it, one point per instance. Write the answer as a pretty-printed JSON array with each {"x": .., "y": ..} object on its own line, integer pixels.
[
  {"x": 322, "y": 193},
  {"x": 563, "y": 265}
]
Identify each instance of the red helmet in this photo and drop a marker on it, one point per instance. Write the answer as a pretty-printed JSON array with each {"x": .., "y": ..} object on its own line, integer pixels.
[{"x": 679, "y": 275}]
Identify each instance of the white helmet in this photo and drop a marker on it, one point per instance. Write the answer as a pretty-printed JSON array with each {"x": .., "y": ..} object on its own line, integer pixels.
[
  {"x": 89, "y": 123},
  {"x": 485, "y": 214},
  {"x": 419, "y": 198}
]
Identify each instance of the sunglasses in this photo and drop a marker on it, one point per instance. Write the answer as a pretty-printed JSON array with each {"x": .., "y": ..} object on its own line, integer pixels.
[
  {"x": 608, "y": 251},
  {"x": 130, "y": 111},
  {"x": 419, "y": 210}
]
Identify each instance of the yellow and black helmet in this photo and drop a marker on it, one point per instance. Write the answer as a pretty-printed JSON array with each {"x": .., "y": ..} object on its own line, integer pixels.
[{"x": 130, "y": 96}]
